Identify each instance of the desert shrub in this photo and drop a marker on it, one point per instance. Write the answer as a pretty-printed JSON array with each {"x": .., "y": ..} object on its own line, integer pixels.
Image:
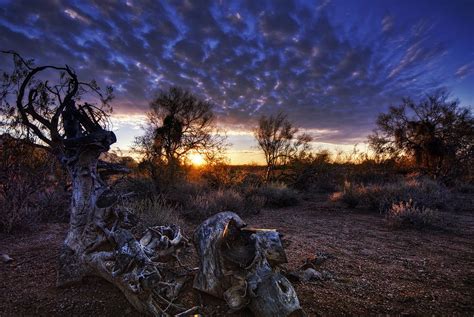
[
  {"x": 153, "y": 211},
  {"x": 403, "y": 214},
  {"x": 31, "y": 186},
  {"x": 207, "y": 203},
  {"x": 24, "y": 203},
  {"x": 312, "y": 173},
  {"x": 380, "y": 197},
  {"x": 350, "y": 195},
  {"x": 251, "y": 180},
  {"x": 464, "y": 187},
  {"x": 17, "y": 210},
  {"x": 181, "y": 193},
  {"x": 54, "y": 204},
  {"x": 278, "y": 195},
  {"x": 138, "y": 187},
  {"x": 218, "y": 176}
]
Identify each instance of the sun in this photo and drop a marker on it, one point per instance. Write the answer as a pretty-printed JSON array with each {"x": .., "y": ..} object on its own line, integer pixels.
[{"x": 197, "y": 159}]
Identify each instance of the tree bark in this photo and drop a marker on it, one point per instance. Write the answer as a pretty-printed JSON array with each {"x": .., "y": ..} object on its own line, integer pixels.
[{"x": 100, "y": 243}]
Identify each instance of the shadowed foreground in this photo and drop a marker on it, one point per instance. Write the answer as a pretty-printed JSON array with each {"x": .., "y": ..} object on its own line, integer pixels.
[{"x": 375, "y": 269}]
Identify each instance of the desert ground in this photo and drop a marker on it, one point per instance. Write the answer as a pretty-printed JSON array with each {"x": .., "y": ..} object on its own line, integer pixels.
[{"x": 371, "y": 269}]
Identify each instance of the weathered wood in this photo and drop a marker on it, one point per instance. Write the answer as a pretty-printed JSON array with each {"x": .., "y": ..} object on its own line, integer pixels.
[
  {"x": 240, "y": 265},
  {"x": 99, "y": 241}
]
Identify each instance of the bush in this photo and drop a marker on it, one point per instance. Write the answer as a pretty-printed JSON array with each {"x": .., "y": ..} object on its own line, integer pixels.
[
  {"x": 407, "y": 213},
  {"x": 350, "y": 195},
  {"x": 207, "y": 203},
  {"x": 54, "y": 204},
  {"x": 426, "y": 193},
  {"x": 31, "y": 186},
  {"x": 17, "y": 210},
  {"x": 313, "y": 173},
  {"x": 278, "y": 195},
  {"x": 154, "y": 211}
]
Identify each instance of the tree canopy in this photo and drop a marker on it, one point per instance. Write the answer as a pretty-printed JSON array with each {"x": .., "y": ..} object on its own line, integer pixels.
[
  {"x": 437, "y": 133},
  {"x": 277, "y": 138},
  {"x": 178, "y": 124}
]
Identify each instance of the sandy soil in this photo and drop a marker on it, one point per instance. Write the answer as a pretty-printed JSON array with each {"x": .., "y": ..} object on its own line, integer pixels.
[{"x": 376, "y": 270}]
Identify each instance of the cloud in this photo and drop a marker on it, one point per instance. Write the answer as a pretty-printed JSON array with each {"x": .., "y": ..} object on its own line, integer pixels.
[
  {"x": 465, "y": 70},
  {"x": 248, "y": 58},
  {"x": 387, "y": 23}
]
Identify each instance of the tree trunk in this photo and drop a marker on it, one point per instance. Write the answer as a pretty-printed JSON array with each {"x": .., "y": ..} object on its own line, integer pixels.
[{"x": 100, "y": 243}]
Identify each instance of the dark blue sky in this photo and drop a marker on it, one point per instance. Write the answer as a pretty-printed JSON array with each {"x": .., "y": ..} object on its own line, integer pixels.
[{"x": 332, "y": 65}]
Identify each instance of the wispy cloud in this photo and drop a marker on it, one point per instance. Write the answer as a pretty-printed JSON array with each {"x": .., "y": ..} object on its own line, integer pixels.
[{"x": 465, "y": 70}]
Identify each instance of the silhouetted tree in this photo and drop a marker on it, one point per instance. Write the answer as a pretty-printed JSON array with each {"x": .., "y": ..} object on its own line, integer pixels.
[
  {"x": 277, "y": 138},
  {"x": 178, "y": 123},
  {"x": 436, "y": 132}
]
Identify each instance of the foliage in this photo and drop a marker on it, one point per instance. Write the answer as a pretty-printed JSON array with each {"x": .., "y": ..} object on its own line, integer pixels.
[
  {"x": 350, "y": 195},
  {"x": 277, "y": 138},
  {"x": 153, "y": 211},
  {"x": 278, "y": 195},
  {"x": 207, "y": 203},
  {"x": 312, "y": 173},
  {"x": 408, "y": 214},
  {"x": 31, "y": 186},
  {"x": 436, "y": 132},
  {"x": 380, "y": 197},
  {"x": 178, "y": 123}
]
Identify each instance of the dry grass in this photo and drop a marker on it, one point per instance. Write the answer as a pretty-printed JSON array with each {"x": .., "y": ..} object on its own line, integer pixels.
[
  {"x": 278, "y": 195},
  {"x": 404, "y": 214},
  {"x": 154, "y": 211},
  {"x": 380, "y": 197},
  {"x": 208, "y": 203}
]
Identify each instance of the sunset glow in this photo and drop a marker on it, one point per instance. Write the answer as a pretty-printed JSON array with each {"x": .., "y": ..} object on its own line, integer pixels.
[
  {"x": 196, "y": 159},
  {"x": 333, "y": 66}
]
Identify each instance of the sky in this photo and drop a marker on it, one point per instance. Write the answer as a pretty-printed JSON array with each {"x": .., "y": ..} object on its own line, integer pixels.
[{"x": 331, "y": 65}]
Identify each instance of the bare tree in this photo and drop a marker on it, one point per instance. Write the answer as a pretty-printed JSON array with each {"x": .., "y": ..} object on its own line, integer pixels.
[
  {"x": 436, "y": 132},
  {"x": 43, "y": 104},
  {"x": 277, "y": 138},
  {"x": 178, "y": 123}
]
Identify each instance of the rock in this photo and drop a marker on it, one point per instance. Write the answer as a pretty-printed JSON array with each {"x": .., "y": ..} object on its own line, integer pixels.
[
  {"x": 5, "y": 258},
  {"x": 327, "y": 275},
  {"x": 311, "y": 274}
]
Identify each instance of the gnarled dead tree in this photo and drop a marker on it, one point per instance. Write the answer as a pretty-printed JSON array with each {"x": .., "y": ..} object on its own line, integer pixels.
[
  {"x": 99, "y": 241},
  {"x": 240, "y": 265}
]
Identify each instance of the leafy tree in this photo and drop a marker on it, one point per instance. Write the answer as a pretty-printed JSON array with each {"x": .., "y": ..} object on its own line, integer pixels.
[
  {"x": 277, "y": 137},
  {"x": 436, "y": 132},
  {"x": 178, "y": 124}
]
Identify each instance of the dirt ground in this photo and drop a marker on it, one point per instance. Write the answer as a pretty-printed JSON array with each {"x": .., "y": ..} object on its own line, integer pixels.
[{"x": 376, "y": 270}]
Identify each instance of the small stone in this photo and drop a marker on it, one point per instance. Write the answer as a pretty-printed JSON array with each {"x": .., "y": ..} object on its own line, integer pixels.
[
  {"x": 5, "y": 258},
  {"x": 311, "y": 274},
  {"x": 327, "y": 275}
]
